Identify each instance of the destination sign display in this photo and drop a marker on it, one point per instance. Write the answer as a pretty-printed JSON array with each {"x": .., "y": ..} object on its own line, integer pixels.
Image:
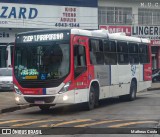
[{"x": 43, "y": 37}]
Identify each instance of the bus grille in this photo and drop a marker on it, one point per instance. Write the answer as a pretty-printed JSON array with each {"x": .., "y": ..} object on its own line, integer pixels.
[{"x": 45, "y": 99}]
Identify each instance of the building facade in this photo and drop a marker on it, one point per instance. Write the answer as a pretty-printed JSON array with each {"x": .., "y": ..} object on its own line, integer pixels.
[
  {"x": 134, "y": 17},
  {"x": 21, "y": 15}
]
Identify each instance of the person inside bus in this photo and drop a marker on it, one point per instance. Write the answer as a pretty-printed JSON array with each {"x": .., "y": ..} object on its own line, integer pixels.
[{"x": 52, "y": 62}]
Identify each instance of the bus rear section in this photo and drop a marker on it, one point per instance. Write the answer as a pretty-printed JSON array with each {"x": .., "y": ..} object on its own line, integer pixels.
[{"x": 121, "y": 64}]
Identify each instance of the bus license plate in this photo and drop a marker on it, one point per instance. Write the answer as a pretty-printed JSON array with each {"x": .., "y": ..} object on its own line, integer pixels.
[
  {"x": 5, "y": 86},
  {"x": 39, "y": 102}
]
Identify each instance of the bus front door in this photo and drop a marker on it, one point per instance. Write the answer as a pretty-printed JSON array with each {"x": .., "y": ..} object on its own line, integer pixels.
[{"x": 80, "y": 70}]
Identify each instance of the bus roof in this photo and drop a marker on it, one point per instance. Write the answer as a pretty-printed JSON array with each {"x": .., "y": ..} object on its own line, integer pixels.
[
  {"x": 93, "y": 33},
  {"x": 105, "y": 33}
]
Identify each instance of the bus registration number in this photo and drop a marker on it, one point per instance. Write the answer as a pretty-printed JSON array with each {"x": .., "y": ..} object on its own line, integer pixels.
[{"x": 39, "y": 102}]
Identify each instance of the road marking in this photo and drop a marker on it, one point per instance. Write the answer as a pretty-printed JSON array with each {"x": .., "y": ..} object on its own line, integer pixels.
[
  {"x": 70, "y": 122},
  {"x": 3, "y": 114},
  {"x": 44, "y": 125},
  {"x": 34, "y": 122},
  {"x": 13, "y": 121},
  {"x": 131, "y": 123},
  {"x": 97, "y": 123}
]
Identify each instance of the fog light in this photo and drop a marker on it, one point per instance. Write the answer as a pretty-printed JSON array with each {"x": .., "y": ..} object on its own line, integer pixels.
[
  {"x": 65, "y": 98},
  {"x": 17, "y": 99}
]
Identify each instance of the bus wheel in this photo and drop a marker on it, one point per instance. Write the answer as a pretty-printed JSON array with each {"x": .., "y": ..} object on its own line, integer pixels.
[
  {"x": 154, "y": 79},
  {"x": 91, "y": 102},
  {"x": 133, "y": 91},
  {"x": 44, "y": 108}
]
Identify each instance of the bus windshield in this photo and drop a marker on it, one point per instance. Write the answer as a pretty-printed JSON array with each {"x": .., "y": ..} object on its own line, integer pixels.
[{"x": 41, "y": 61}]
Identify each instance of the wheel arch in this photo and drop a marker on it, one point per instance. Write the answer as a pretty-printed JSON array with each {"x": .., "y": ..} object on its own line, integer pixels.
[{"x": 95, "y": 83}]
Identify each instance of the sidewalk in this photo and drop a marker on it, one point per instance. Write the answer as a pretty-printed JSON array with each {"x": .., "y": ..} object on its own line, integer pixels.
[
  {"x": 7, "y": 102},
  {"x": 155, "y": 86}
]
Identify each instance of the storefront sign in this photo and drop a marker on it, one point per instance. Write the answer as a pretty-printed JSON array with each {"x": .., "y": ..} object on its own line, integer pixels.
[
  {"x": 34, "y": 16},
  {"x": 151, "y": 32},
  {"x": 18, "y": 12},
  {"x": 4, "y": 34},
  {"x": 68, "y": 18},
  {"x": 7, "y": 36},
  {"x": 115, "y": 29},
  {"x": 155, "y": 42},
  {"x": 79, "y": 3}
]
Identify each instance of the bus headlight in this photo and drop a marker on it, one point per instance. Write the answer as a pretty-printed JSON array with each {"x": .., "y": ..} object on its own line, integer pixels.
[
  {"x": 65, "y": 98},
  {"x": 65, "y": 88},
  {"x": 17, "y": 90},
  {"x": 17, "y": 99}
]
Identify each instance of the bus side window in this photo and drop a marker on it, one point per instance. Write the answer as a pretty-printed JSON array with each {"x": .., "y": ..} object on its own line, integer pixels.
[
  {"x": 79, "y": 60},
  {"x": 96, "y": 52},
  {"x": 133, "y": 53},
  {"x": 122, "y": 49},
  {"x": 143, "y": 53},
  {"x": 110, "y": 56}
]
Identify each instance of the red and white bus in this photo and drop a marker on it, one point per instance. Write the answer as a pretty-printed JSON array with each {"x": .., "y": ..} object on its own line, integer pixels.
[{"x": 76, "y": 66}]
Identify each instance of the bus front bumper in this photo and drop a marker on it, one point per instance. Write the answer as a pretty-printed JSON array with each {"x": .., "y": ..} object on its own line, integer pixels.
[{"x": 65, "y": 98}]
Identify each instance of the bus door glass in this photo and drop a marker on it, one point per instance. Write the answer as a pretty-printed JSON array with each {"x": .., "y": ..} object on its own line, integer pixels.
[{"x": 80, "y": 63}]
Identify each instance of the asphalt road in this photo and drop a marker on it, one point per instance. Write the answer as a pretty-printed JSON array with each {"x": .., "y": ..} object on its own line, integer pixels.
[{"x": 113, "y": 115}]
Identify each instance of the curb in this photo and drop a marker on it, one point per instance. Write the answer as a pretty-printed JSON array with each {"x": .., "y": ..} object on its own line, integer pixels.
[
  {"x": 150, "y": 89},
  {"x": 14, "y": 108}
]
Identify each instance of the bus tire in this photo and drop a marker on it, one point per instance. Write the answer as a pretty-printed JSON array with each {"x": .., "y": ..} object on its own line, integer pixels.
[
  {"x": 154, "y": 79},
  {"x": 132, "y": 94},
  {"x": 92, "y": 99},
  {"x": 133, "y": 91},
  {"x": 44, "y": 108}
]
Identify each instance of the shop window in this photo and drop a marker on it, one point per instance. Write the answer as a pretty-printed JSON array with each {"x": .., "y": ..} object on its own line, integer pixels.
[
  {"x": 148, "y": 17},
  {"x": 114, "y": 15}
]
